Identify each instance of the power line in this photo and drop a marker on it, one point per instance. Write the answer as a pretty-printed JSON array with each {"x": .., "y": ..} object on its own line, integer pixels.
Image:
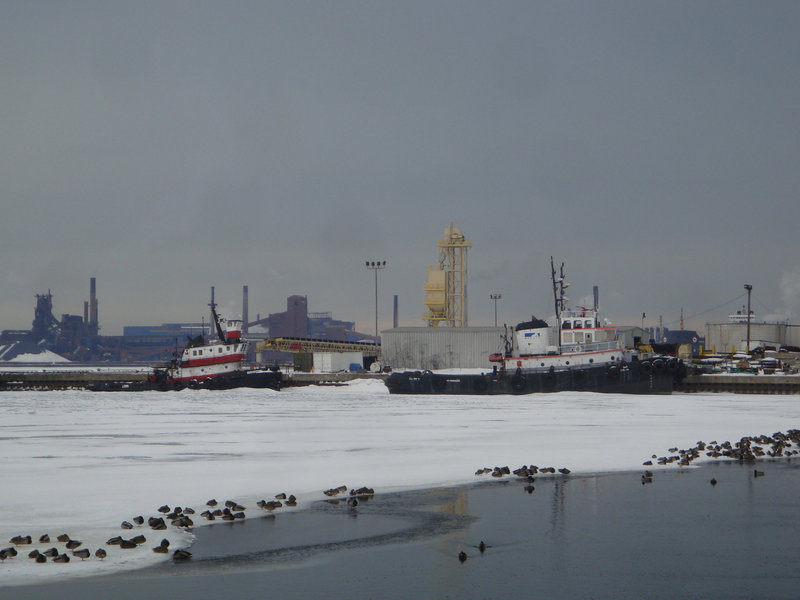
[{"x": 708, "y": 310}]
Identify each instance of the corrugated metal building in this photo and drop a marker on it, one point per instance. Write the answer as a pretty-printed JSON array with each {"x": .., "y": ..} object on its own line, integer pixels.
[{"x": 440, "y": 347}]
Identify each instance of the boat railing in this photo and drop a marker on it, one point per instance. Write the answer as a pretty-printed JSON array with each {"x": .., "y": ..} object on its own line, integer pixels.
[
  {"x": 590, "y": 347},
  {"x": 580, "y": 314}
]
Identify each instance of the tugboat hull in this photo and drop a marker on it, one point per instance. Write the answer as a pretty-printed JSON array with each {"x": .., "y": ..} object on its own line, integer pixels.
[
  {"x": 228, "y": 381},
  {"x": 636, "y": 378}
]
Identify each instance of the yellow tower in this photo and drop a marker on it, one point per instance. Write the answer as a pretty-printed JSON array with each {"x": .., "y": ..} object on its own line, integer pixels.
[{"x": 446, "y": 286}]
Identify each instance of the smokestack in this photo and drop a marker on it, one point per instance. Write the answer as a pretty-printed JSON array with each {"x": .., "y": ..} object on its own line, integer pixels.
[
  {"x": 93, "y": 325},
  {"x": 395, "y": 312},
  {"x": 85, "y": 316},
  {"x": 596, "y": 296},
  {"x": 245, "y": 307}
]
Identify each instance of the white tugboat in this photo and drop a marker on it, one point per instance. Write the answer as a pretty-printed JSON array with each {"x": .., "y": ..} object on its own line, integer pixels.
[{"x": 578, "y": 354}]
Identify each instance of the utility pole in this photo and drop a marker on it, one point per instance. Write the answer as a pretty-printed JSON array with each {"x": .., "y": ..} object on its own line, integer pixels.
[
  {"x": 749, "y": 289},
  {"x": 495, "y": 297}
]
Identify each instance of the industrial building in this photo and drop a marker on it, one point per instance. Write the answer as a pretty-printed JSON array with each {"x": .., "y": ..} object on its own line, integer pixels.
[
  {"x": 440, "y": 347},
  {"x": 446, "y": 300},
  {"x": 731, "y": 336},
  {"x": 296, "y": 321}
]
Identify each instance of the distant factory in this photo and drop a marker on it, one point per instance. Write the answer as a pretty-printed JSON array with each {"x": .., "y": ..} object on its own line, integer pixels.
[{"x": 78, "y": 337}]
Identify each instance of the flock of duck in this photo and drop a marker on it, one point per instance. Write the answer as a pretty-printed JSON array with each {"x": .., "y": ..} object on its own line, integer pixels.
[
  {"x": 747, "y": 449},
  {"x": 177, "y": 517}
]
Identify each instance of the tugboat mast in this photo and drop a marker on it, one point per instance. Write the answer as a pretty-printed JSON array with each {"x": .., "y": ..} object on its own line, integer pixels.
[{"x": 559, "y": 285}]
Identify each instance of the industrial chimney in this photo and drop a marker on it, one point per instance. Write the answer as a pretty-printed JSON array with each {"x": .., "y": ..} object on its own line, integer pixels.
[{"x": 94, "y": 326}]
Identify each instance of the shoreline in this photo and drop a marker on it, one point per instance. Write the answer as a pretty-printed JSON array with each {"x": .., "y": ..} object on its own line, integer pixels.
[{"x": 626, "y": 538}]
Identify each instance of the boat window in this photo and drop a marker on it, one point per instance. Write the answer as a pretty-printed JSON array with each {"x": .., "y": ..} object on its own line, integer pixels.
[
  {"x": 587, "y": 324},
  {"x": 227, "y": 348},
  {"x": 194, "y": 352},
  {"x": 578, "y": 325},
  {"x": 220, "y": 350},
  {"x": 566, "y": 325}
]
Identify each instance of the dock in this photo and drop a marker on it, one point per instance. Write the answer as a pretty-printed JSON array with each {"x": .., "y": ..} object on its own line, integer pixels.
[
  {"x": 740, "y": 384},
  {"x": 44, "y": 378}
]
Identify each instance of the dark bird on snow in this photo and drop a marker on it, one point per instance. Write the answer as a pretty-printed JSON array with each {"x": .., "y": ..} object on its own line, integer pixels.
[
  {"x": 713, "y": 481},
  {"x": 45, "y": 539},
  {"x": 127, "y": 525},
  {"x": 462, "y": 556},
  {"x": 72, "y": 544},
  {"x": 61, "y": 558},
  {"x": 51, "y": 552},
  {"x": 482, "y": 546},
  {"x": 63, "y": 538},
  {"x": 181, "y": 555},
  {"x": 83, "y": 553},
  {"x": 100, "y": 553},
  {"x": 138, "y": 520}
]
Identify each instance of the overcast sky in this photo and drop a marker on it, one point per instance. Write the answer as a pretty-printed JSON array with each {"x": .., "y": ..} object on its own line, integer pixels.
[{"x": 165, "y": 147}]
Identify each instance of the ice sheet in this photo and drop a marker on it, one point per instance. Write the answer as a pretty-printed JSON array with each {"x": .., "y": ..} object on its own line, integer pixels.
[{"x": 81, "y": 463}]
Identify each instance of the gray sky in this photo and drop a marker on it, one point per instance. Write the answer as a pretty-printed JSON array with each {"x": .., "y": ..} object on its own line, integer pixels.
[{"x": 165, "y": 147}]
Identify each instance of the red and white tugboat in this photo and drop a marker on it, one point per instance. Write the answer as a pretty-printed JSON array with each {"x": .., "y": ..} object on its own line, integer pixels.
[
  {"x": 201, "y": 360},
  {"x": 578, "y": 354},
  {"x": 217, "y": 365}
]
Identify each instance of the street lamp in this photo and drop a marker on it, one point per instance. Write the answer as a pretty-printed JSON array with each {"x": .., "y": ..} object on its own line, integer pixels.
[
  {"x": 376, "y": 266},
  {"x": 749, "y": 289},
  {"x": 495, "y": 297}
]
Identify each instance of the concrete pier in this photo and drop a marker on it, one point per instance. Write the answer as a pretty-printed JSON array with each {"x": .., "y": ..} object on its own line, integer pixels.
[{"x": 741, "y": 384}]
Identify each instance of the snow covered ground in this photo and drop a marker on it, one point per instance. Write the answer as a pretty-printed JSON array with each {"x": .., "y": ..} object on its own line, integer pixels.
[{"x": 80, "y": 463}]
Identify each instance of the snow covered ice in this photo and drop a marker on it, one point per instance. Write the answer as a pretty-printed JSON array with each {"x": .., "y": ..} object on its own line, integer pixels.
[{"x": 80, "y": 463}]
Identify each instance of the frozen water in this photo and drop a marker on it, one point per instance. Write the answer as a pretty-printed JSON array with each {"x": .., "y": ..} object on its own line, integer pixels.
[{"x": 80, "y": 463}]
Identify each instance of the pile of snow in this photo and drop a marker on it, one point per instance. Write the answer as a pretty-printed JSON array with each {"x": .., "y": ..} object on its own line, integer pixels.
[{"x": 45, "y": 356}]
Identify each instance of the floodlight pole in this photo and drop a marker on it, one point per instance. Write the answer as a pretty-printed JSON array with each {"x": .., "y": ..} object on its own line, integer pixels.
[
  {"x": 495, "y": 297},
  {"x": 376, "y": 266}
]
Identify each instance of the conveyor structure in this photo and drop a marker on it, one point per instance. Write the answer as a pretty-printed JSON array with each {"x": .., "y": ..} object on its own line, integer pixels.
[{"x": 294, "y": 345}]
